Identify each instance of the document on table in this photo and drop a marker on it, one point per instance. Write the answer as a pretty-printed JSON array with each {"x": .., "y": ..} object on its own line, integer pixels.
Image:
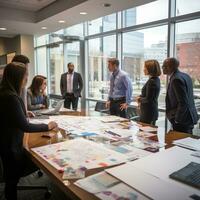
[
  {"x": 148, "y": 184},
  {"x": 188, "y": 142}
]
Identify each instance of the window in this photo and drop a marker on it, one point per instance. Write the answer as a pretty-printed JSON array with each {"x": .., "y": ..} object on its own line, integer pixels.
[
  {"x": 142, "y": 45},
  {"x": 42, "y": 40},
  {"x": 73, "y": 55},
  {"x": 41, "y": 61},
  {"x": 76, "y": 30},
  {"x": 109, "y": 22},
  {"x": 187, "y": 6},
  {"x": 188, "y": 48},
  {"x": 146, "y": 13},
  {"x": 99, "y": 50},
  {"x": 56, "y": 68}
]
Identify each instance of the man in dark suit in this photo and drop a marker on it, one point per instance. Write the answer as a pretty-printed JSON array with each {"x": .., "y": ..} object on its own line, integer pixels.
[
  {"x": 180, "y": 107},
  {"x": 71, "y": 84}
]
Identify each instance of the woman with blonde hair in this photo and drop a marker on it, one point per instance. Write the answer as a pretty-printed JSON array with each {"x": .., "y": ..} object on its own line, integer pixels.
[{"x": 148, "y": 100}]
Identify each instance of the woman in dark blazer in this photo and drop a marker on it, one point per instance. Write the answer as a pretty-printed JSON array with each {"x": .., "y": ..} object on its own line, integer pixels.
[
  {"x": 148, "y": 100},
  {"x": 13, "y": 125},
  {"x": 36, "y": 94}
]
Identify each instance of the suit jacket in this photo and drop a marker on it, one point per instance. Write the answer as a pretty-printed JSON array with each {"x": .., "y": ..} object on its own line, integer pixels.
[
  {"x": 149, "y": 100},
  {"x": 13, "y": 125},
  {"x": 180, "y": 107},
  {"x": 77, "y": 84}
]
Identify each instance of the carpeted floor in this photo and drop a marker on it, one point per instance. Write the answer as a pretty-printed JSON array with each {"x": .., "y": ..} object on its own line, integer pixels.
[{"x": 33, "y": 179}]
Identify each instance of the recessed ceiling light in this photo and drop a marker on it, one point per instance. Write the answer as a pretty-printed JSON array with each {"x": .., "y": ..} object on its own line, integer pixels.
[
  {"x": 3, "y": 29},
  {"x": 61, "y": 21},
  {"x": 44, "y": 28},
  {"x": 106, "y": 5},
  {"x": 83, "y": 13}
]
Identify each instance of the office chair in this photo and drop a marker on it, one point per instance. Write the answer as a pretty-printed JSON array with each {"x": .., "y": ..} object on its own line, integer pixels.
[
  {"x": 101, "y": 107},
  {"x": 131, "y": 113},
  {"x": 47, "y": 194}
]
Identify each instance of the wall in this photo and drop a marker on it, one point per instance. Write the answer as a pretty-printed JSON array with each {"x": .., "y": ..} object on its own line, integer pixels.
[{"x": 21, "y": 44}]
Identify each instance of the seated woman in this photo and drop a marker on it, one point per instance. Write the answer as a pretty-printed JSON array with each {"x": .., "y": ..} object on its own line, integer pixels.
[
  {"x": 148, "y": 100},
  {"x": 15, "y": 160},
  {"x": 36, "y": 96}
]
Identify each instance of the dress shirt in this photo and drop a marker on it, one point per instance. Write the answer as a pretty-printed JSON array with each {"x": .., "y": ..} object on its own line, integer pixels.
[
  {"x": 70, "y": 77},
  {"x": 120, "y": 86}
]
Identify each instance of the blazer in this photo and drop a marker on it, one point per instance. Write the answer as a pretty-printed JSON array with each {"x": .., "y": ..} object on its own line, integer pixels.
[
  {"x": 180, "y": 107},
  {"x": 32, "y": 101},
  {"x": 77, "y": 84},
  {"x": 149, "y": 100},
  {"x": 13, "y": 125}
]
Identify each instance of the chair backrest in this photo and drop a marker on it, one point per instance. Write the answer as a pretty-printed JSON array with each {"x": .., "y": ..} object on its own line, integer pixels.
[
  {"x": 131, "y": 113},
  {"x": 101, "y": 107}
]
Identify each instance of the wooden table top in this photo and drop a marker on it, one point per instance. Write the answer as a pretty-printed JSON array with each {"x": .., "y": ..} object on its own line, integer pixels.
[{"x": 72, "y": 191}]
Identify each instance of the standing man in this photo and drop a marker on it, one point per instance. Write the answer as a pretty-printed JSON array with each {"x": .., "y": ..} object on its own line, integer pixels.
[
  {"x": 71, "y": 85},
  {"x": 120, "y": 89},
  {"x": 180, "y": 107}
]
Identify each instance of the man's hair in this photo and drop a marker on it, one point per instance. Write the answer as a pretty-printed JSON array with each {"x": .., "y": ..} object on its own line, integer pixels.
[
  {"x": 13, "y": 76},
  {"x": 21, "y": 58},
  {"x": 70, "y": 63},
  {"x": 114, "y": 61},
  {"x": 153, "y": 67},
  {"x": 174, "y": 62}
]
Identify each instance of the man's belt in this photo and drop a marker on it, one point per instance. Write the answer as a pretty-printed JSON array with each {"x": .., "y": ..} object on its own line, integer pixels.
[{"x": 118, "y": 99}]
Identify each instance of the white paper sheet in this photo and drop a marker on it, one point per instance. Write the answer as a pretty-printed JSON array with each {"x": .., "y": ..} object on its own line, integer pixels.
[
  {"x": 148, "y": 184},
  {"x": 79, "y": 153},
  {"x": 188, "y": 142}
]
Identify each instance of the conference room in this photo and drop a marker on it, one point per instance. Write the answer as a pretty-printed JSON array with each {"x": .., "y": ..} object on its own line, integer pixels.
[{"x": 99, "y": 99}]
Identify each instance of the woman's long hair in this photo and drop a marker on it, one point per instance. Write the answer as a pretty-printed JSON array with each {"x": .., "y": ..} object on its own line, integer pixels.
[
  {"x": 36, "y": 84},
  {"x": 13, "y": 76}
]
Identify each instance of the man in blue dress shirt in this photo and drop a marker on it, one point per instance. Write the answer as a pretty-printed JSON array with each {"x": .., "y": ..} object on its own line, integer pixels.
[{"x": 120, "y": 89}]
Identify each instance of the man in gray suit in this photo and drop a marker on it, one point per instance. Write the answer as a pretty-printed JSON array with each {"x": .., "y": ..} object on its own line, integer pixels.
[{"x": 71, "y": 84}]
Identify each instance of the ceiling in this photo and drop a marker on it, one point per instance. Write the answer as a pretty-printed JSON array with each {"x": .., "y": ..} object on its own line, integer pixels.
[
  {"x": 28, "y": 5},
  {"x": 28, "y": 16}
]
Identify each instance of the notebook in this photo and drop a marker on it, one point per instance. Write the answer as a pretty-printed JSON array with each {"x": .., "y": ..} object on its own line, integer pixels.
[{"x": 190, "y": 174}]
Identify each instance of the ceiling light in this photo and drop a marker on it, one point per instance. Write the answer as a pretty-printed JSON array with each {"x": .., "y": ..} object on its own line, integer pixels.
[
  {"x": 3, "y": 29},
  {"x": 83, "y": 13},
  {"x": 106, "y": 5},
  {"x": 44, "y": 28},
  {"x": 61, "y": 21}
]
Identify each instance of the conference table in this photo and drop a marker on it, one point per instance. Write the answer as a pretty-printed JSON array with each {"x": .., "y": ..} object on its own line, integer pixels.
[{"x": 70, "y": 189}]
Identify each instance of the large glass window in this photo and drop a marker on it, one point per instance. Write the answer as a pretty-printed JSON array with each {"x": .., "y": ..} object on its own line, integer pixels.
[
  {"x": 188, "y": 50},
  {"x": 102, "y": 24},
  {"x": 41, "y": 61},
  {"x": 142, "y": 45},
  {"x": 56, "y": 68},
  {"x": 76, "y": 30},
  {"x": 72, "y": 54},
  {"x": 99, "y": 51},
  {"x": 187, "y": 6},
  {"x": 42, "y": 40},
  {"x": 146, "y": 13}
]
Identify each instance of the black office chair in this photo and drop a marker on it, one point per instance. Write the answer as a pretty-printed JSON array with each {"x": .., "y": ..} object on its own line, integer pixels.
[
  {"x": 47, "y": 194},
  {"x": 131, "y": 113},
  {"x": 101, "y": 107}
]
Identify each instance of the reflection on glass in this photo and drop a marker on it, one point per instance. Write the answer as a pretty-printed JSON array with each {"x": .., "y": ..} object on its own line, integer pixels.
[
  {"x": 146, "y": 13},
  {"x": 56, "y": 68},
  {"x": 99, "y": 50},
  {"x": 188, "y": 48},
  {"x": 187, "y": 6},
  {"x": 42, "y": 40},
  {"x": 41, "y": 61},
  {"x": 56, "y": 36},
  {"x": 109, "y": 22},
  {"x": 95, "y": 26},
  {"x": 73, "y": 55},
  {"x": 76, "y": 30},
  {"x": 142, "y": 45}
]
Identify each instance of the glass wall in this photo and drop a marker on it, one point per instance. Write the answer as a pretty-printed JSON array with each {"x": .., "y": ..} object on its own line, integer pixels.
[
  {"x": 99, "y": 51},
  {"x": 134, "y": 35},
  {"x": 56, "y": 68}
]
